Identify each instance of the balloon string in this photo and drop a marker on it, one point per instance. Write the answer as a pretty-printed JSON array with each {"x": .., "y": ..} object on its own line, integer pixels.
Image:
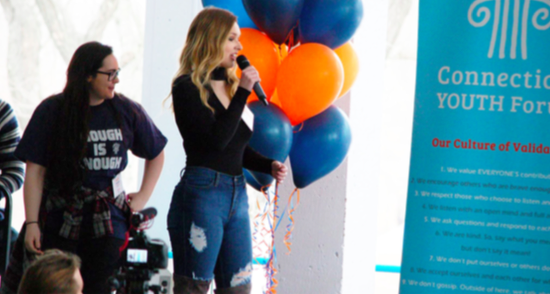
[
  {"x": 290, "y": 226},
  {"x": 269, "y": 213},
  {"x": 259, "y": 233},
  {"x": 260, "y": 218},
  {"x": 291, "y": 38},
  {"x": 271, "y": 271},
  {"x": 255, "y": 242},
  {"x": 264, "y": 190},
  {"x": 281, "y": 218},
  {"x": 300, "y": 129}
]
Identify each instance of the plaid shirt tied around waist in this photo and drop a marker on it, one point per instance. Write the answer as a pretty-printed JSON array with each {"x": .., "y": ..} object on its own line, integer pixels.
[{"x": 73, "y": 210}]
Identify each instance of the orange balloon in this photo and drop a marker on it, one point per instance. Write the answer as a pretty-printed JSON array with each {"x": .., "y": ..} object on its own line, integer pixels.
[
  {"x": 263, "y": 55},
  {"x": 350, "y": 61},
  {"x": 275, "y": 99},
  {"x": 309, "y": 80},
  {"x": 283, "y": 52}
]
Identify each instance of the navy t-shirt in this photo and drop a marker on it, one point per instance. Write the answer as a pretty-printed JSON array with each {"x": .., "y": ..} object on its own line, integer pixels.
[
  {"x": 107, "y": 141},
  {"x": 116, "y": 126}
]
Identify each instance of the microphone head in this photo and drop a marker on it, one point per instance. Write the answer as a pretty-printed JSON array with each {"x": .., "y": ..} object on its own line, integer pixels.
[
  {"x": 150, "y": 212},
  {"x": 142, "y": 216},
  {"x": 243, "y": 62}
]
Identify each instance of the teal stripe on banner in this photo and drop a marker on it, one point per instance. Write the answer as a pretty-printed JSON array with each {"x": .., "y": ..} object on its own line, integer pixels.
[{"x": 388, "y": 268}]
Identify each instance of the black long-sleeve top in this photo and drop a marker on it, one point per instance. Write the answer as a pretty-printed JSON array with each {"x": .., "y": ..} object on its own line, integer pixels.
[{"x": 217, "y": 140}]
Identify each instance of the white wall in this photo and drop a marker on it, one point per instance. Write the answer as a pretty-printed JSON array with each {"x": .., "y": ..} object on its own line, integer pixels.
[
  {"x": 399, "y": 85},
  {"x": 166, "y": 24}
]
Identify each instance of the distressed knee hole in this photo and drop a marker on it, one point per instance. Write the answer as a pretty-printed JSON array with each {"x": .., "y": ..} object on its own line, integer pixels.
[
  {"x": 243, "y": 276},
  {"x": 197, "y": 238}
]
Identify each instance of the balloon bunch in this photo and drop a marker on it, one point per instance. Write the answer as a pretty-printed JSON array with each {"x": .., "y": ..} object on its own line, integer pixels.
[{"x": 302, "y": 51}]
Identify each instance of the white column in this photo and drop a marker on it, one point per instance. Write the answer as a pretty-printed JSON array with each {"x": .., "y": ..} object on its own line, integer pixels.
[
  {"x": 315, "y": 263},
  {"x": 364, "y": 156}
]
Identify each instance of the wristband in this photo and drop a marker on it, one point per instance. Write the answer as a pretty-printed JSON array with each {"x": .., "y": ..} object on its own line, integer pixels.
[{"x": 28, "y": 223}]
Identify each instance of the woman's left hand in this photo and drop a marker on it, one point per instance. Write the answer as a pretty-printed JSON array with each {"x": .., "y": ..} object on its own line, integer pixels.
[{"x": 278, "y": 171}]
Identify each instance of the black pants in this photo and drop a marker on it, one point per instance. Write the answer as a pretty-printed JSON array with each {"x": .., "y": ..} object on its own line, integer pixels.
[{"x": 100, "y": 258}]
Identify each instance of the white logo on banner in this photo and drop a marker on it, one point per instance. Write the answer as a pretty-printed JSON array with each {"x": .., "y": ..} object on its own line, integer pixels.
[{"x": 540, "y": 14}]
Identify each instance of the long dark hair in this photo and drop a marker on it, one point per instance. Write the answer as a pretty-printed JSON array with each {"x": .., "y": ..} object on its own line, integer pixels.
[{"x": 68, "y": 145}]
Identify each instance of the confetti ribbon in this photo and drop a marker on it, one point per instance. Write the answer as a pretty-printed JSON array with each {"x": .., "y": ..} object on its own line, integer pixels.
[
  {"x": 290, "y": 227},
  {"x": 268, "y": 214}
]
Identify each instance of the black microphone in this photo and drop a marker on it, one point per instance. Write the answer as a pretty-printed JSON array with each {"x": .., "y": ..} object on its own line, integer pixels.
[
  {"x": 142, "y": 216},
  {"x": 243, "y": 63}
]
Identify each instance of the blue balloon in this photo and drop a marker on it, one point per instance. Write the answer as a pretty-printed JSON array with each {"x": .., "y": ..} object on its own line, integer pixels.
[
  {"x": 272, "y": 136},
  {"x": 329, "y": 22},
  {"x": 251, "y": 180},
  {"x": 236, "y": 7},
  {"x": 320, "y": 146},
  {"x": 275, "y": 18}
]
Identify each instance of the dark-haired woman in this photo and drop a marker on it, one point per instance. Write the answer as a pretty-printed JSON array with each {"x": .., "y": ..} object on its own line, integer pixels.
[{"x": 75, "y": 148}]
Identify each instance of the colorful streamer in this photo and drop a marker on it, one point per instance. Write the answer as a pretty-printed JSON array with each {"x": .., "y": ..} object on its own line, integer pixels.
[
  {"x": 266, "y": 223},
  {"x": 290, "y": 227}
]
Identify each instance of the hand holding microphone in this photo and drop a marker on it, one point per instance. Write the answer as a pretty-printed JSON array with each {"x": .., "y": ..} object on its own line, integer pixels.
[{"x": 250, "y": 75}]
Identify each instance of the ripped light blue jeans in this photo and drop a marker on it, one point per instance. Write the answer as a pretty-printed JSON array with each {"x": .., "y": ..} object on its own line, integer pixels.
[{"x": 209, "y": 228}]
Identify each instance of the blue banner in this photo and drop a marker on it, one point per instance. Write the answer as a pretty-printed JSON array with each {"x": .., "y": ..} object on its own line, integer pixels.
[{"x": 478, "y": 208}]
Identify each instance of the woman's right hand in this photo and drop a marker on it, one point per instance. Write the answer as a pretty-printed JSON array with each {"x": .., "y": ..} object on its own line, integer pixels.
[
  {"x": 249, "y": 77},
  {"x": 32, "y": 238}
]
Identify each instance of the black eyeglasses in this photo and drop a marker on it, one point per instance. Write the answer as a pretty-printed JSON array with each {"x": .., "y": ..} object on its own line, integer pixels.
[{"x": 112, "y": 75}]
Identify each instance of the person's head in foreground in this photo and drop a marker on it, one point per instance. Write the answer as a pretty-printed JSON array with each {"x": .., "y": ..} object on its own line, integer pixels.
[{"x": 54, "y": 272}]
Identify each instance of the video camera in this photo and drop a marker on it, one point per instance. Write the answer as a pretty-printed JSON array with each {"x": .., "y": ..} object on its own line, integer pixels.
[{"x": 141, "y": 259}]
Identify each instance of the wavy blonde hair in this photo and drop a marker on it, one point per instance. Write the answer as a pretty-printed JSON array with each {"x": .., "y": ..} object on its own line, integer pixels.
[{"x": 204, "y": 51}]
